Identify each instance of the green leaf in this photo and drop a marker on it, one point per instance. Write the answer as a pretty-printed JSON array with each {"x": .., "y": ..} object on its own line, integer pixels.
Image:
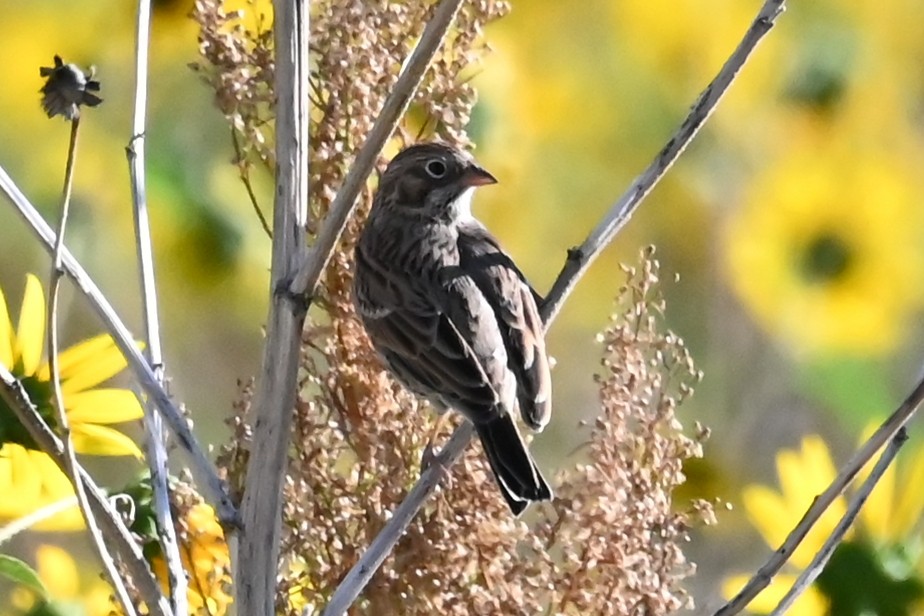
[
  {"x": 22, "y": 574},
  {"x": 856, "y": 583}
]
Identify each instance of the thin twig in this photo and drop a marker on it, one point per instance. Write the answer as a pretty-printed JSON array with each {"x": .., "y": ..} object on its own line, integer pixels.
[
  {"x": 215, "y": 489},
  {"x": 579, "y": 259},
  {"x": 820, "y": 561},
  {"x": 118, "y": 536},
  {"x": 70, "y": 458},
  {"x": 257, "y": 546},
  {"x": 243, "y": 166},
  {"x": 154, "y": 437},
  {"x": 306, "y": 281},
  {"x": 823, "y": 501}
]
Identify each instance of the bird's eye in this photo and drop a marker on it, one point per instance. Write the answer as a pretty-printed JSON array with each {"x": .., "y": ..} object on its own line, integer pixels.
[{"x": 436, "y": 169}]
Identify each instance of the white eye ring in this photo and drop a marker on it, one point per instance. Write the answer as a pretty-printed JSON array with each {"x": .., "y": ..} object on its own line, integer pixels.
[{"x": 436, "y": 168}]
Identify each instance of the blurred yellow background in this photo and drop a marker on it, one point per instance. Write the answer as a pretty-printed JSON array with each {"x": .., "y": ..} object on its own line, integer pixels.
[{"x": 795, "y": 222}]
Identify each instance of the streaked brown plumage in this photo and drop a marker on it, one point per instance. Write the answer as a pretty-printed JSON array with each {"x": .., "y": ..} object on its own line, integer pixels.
[{"x": 449, "y": 312}]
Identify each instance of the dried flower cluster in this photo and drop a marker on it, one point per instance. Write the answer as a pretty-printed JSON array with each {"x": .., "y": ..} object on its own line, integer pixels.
[
  {"x": 610, "y": 541},
  {"x": 614, "y": 538},
  {"x": 237, "y": 64}
]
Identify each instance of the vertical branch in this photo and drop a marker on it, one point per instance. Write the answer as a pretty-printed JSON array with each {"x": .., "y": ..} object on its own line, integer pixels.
[
  {"x": 155, "y": 449},
  {"x": 274, "y": 401},
  {"x": 70, "y": 458}
]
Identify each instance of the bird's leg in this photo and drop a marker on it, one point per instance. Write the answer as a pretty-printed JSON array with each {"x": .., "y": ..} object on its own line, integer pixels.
[{"x": 429, "y": 455}]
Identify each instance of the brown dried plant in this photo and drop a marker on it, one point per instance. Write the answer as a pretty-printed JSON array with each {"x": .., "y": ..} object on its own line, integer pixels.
[{"x": 609, "y": 544}]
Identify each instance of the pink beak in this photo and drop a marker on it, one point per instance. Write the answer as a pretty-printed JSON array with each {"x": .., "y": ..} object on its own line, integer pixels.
[{"x": 476, "y": 176}]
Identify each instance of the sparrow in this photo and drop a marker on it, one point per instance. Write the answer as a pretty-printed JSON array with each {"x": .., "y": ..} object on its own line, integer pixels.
[{"x": 450, "y": 314}]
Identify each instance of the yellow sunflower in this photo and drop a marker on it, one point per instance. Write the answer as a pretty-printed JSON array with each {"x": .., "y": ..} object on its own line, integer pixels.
[
  {"x": 883, "y": 549},
  {"x": 29, "y": 480},
  {"x": 825, "y": 250}
]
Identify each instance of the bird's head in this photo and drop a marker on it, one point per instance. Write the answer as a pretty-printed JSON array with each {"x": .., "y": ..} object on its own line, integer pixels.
[{"x": 432, "y": 181}]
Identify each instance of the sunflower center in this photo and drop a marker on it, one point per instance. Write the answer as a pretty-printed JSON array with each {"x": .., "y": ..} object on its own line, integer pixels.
[
  {"x": 826, "y": 258},
  {"x": 11, "y": 430}
]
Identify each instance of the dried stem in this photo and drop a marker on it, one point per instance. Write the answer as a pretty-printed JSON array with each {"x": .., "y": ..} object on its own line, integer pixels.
[
  {"x": 243, "y": 170},
  {"x": 258, "y": 544},
  {"x": 154, "y": 438},
  {"x": 820, "y": 561},
  {"x": 215, "y": 488},
  {"x": 578, "y": 261},
  {"x": 306, "y": 282},
  {"x": 823, "y": 501},
  {"x": 70, "y": 458},
  {"x": 119, "y": 537}
]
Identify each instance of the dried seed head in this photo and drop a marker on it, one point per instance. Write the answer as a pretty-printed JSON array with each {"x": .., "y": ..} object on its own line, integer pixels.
[{"x": 66, "y": 88}]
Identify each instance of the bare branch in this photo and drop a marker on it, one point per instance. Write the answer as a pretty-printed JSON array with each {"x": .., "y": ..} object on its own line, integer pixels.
[
  {"x": 381, "y": 546},
  {"x": 258, "y": 544},
  {"x": 578, "y": 261},
  {"x": 306, "y": 282},
  {"x": 154, "y": 445},
  {"x": 214, "y": 487},
  {"x": 823, "y": 501},
  {"x": 820, "y": 561},
  {"x": 118, "y": 536}
]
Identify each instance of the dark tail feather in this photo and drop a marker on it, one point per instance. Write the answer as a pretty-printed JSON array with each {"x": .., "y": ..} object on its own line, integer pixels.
[{"x": 517, "y": 474}]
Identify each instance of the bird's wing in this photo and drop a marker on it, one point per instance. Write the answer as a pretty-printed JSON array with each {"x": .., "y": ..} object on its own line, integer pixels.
[
  {"x": 514, "y": 304},
  {"x": 443, "y": 342}
]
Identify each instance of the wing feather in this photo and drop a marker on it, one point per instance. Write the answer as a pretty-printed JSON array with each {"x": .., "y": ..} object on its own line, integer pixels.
[{"x": 514, "y": 304}]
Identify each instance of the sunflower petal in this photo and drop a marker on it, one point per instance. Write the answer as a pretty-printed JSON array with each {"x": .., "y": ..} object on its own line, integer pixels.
[
  {"x": 20, "y": 484},
  {"x": 909, "y": 505},
  {"x": 768, "y": 512},
  {"x": 56, "y": 487},
  {"x": 6, "y": 334},
  {"x": 30, "y": 480},
  {"x": 92, "y": 369},
  {"x": 102, "y": 441},
  {"x": 30, "y": 334},
  {"x": 877, "y": 513},
  {"x": 103, "y": 406},
  {"x": 75, "y": 355}
]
